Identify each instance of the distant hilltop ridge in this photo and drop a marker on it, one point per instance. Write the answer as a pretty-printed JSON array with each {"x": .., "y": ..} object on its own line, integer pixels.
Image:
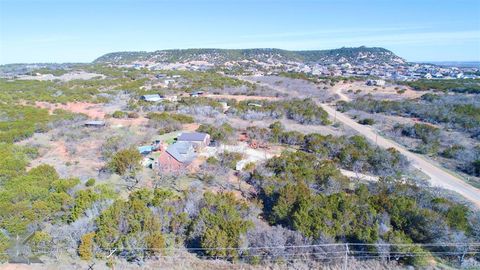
[{"x": 355, "y": 55}]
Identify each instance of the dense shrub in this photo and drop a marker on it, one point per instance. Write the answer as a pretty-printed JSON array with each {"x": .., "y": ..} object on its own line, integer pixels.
[
  {"x": 125, "y": 161},
  {"x": 84, "y": 200},
  {"x": 429, "y": 135},
  {"x": 133, "y": 115},
  {"x": 119, "y": 114},
  {"x": 33, "y": 197},
  {"x": 220, "y": 133},
  {"x": 222, "y": 223},
  {"x": 366, "y": 121},
  {"x": 181, "y": 118},
  {"x": 304, "y": 111},
  {"x": 168, "y": 122},
  {"x": 85, "y": 249},
  {"x": 90, "y": 182},
  {"x": 457, "y": 85},
  {"x": 130, "y": 223},
  {"x": 229, "y": 159},
  {"x": 20, "y": 122}
]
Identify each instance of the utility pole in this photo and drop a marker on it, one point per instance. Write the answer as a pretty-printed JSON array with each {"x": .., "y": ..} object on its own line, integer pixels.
[
  {"x": 345, "y": 265},
  {"x": 16, "y": 246}
]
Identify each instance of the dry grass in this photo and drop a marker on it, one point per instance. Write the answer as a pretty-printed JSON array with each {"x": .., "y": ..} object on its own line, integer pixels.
[{"x": 190, "y": 261}]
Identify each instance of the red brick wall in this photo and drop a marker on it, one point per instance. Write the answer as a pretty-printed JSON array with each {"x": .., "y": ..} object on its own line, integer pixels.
[{"x": 167, "y": 163}]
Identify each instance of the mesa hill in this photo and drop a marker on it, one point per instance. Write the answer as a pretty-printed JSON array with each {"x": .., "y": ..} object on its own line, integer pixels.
[{"x": 358, "y": 55}]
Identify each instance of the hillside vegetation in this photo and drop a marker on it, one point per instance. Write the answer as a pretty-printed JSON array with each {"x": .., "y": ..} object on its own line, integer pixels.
[
  {"x": 217, "y": 56},
  {"x": 458, "y": 85}
]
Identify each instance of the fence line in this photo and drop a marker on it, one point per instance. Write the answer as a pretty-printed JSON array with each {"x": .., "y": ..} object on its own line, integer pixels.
[{"x": 341, "y": 252}]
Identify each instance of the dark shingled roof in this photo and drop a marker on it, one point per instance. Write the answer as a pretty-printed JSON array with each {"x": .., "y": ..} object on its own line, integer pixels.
[{"x": 192, "y": 137}]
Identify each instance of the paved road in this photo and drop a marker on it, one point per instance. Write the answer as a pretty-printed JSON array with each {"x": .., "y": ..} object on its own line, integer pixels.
[{"x": 438, "y": 176}]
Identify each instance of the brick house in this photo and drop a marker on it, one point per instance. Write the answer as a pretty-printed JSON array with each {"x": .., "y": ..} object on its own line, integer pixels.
[{"x": 177, "y": 156}]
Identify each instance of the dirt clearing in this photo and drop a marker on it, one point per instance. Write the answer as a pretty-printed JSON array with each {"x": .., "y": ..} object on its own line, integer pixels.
[
  {"x": 241, "y": 97},
  {"x": 76, "y": 75}
]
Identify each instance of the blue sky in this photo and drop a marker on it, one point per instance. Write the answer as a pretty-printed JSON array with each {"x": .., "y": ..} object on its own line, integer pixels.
[{"x": 80, "y": 31}]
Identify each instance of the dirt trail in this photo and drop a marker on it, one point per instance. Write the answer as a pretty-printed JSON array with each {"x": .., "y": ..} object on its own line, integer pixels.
[
  {"x": 439, "y": 177},
  {"x": 241, "y": 97},
  {"x": 337, "y": 89}
]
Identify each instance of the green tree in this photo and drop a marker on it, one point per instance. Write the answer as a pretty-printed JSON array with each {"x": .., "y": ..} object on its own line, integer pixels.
[
  {"x": 40, "y": 241},
  {"x": 224, "y": 222},
  {"x": 124, "y": 161},
  {"x": 457, "y": 217},
  {"x": 128, "y": 221},
  {"x": 407, "y": 254},
  {"x": 90, "y": 182}
]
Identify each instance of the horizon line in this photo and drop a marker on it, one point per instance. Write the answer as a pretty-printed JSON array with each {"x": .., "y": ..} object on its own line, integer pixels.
[{"x": 247, "y": 48}]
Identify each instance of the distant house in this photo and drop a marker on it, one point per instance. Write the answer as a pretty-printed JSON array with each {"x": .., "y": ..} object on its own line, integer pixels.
[
  {"x": 380, "y": 82},
  {"x": 152, "y": 98},
  {"x": 177, "y": 156},
  {"x": 95, "y": 123},
  {"x": 376, "y": 82},
  {"x": 254, "y": 104},
  {"x": 173, "y": 98},
  {"x": 196, "y": 138},
  {"x": 169, "y": 81},
  {"x": 428, "y": 76},
  {"x": 197, "y": 94},
  {"x": 224, "y": 106}
]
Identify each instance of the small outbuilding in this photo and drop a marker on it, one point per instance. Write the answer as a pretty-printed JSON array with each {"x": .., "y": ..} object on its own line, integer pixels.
[
  {"x": 169, "y": 81},
  {"x": 95, "y": 123},
  {"x": 152, "y": 98},
  {"x": 376, "y": 83},
  {"x": 197, "y": 94},
  {"x": 252, "y": 104},
  {"x": 146, "y": 149}
]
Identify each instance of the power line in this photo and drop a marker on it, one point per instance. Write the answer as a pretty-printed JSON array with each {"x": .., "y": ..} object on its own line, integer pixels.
[
  {"x": 341, "y": 252},
  {"x": 313, "y": 246},
  {"x": 327, "y": 257},
  {"x": 289, "y": 247}
]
